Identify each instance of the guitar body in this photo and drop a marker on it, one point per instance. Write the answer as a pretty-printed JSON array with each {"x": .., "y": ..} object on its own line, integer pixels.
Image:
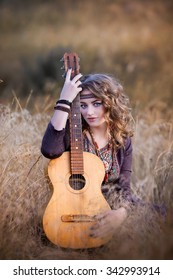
[{"x": 70, "y": 212}]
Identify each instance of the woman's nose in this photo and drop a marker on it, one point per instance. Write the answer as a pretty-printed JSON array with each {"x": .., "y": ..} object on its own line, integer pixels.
[{"x": 90, "y": 110}]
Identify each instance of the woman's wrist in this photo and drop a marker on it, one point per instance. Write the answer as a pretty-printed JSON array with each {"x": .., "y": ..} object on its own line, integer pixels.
[
  {"x": 62, "y": 108},
  {"x": 63, "y": 105},
  {"x": 64, "y": 102}
]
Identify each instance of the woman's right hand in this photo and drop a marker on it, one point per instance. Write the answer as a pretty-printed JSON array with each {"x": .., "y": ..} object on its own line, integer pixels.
[{"x": 72, "y": 87}]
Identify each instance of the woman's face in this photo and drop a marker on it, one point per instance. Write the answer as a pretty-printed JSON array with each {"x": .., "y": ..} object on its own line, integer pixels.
[{"x": 92, "y": 110}]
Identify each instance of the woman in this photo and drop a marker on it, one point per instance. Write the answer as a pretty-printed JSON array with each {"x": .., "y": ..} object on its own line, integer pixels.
[{"x": 107, "y": 131}]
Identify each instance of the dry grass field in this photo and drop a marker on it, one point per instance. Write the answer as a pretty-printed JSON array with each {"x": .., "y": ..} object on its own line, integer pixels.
[
  {"x": 129, "y": 39},
  {"x": 25, "y": 189}
]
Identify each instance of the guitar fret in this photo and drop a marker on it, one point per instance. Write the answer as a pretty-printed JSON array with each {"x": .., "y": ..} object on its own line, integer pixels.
[
  {"x": 73, "y": 167},
  {"x": 78, "y": 163},
  {"x": 79, "y": 155},
  {"x": 77, "y": 166},
  {"x": 74, "y": 147},
  {"x": 76, "y": 151},
  {"x": 75, "y": 159},
  {"x": 77, "y": 136},
  {"x": 74, "y": 164},
  {"x": 75, "y": 120},
  {"x": 74, "y": 156}
]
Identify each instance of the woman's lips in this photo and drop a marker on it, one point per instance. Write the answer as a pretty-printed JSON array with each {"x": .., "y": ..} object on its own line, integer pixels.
[{"x": 91, "y": 119}]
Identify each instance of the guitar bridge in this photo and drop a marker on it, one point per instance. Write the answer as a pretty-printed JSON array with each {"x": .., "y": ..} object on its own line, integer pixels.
[{"x": 77, "y": 218}]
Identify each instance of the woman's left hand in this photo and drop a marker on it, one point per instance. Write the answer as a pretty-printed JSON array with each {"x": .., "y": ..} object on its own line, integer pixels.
[{"x": 108, "y": 222}]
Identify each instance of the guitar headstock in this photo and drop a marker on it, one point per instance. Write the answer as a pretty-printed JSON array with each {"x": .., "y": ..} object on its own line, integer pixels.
[{"x": 71, "y": 60}]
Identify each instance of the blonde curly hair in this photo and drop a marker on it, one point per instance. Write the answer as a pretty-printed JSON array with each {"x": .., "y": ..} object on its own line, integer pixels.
[{"x": 117, "y": 107}]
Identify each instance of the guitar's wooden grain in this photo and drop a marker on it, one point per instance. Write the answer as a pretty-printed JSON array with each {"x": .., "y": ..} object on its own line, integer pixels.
[{"x": 67, "y": 201}]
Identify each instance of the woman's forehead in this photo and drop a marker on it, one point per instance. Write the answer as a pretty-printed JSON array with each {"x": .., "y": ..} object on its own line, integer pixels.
[{"x": 86, "y": 94}]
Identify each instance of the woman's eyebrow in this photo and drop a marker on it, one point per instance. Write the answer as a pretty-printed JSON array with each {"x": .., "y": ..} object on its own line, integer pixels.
[{"x": 95, "y": 100}]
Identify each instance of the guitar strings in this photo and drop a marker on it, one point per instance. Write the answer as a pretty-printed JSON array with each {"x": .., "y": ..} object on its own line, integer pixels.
[
  {"x": 77, "y": 139},
  {"x": 77, "y": 129},
  {"x": 76, "y": 178}
]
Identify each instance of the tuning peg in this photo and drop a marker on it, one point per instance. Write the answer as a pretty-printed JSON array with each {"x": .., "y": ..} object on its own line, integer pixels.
[
  {"x": 64, "y": 75},
  {"x": 63, "y": 67},
  {"x": 62, "y": 59}
]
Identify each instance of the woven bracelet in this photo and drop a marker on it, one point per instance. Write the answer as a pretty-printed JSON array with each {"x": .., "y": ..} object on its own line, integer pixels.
[
  {"x": 63, "y": 101},
  {"x": 61, "y": 108}
]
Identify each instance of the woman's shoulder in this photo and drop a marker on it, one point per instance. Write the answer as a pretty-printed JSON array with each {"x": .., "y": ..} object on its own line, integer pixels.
[
  {"x": 126, "y": 149},
  {"x": 128, "y": 144},
  {"x": 124, "y": 154}
]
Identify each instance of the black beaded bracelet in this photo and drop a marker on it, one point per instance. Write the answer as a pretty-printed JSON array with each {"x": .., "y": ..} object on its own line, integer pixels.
[
  {"x": 61, "y": 108},
  {"x": 63, "y": 101}
]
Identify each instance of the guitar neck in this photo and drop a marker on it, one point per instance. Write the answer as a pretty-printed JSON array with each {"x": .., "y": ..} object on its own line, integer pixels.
[
  {"x": 76, "y": 140},
  {"x": 71, "y": 61}
]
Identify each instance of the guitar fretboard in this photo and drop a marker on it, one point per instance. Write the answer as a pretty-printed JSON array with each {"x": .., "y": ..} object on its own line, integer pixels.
[
  {"x": 76, "y": 143},
  {"x": 76, "y": 138}
]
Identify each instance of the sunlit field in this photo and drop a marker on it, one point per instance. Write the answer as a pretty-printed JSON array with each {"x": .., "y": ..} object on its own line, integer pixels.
[{"x": 25, "y": 189}]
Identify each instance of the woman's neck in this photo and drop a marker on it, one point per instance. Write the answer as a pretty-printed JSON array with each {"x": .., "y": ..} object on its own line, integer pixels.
[
  {"x": 100, "y": 135},
  {"x": 99, "y": 131}
]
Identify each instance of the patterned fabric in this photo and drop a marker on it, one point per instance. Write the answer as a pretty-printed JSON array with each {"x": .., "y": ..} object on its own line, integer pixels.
[{"x": 112, "y": 168}]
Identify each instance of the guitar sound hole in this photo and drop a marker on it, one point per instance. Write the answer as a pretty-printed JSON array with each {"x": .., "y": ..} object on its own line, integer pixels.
[{"x": 77, "y": 181}]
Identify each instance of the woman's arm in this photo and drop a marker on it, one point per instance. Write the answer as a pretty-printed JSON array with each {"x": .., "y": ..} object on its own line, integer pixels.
[
  {"x": 56, "y": 137},
  {"x": 124, "y": 156},
  {"x": 55, "y": 142},
  {"x": 69, "y": 92}
]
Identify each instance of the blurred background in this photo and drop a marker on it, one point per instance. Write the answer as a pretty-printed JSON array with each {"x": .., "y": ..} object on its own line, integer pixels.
[{"x": 129, "y": 39}]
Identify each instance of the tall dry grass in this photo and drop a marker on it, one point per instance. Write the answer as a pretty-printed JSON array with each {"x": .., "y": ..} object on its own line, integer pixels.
[{"x": 25, "y": 189}]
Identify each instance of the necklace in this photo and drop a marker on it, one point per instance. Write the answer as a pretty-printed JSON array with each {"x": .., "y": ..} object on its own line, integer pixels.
[{"x": 110, "y": 150}]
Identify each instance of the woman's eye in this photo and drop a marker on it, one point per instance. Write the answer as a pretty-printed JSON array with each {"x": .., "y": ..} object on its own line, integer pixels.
[
  {"x": 97, "y": 104},
  {"x": 83, "y": 106}
]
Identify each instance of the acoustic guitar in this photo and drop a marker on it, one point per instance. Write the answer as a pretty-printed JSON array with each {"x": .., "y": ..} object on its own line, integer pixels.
[{"x": 76, "y": 177}]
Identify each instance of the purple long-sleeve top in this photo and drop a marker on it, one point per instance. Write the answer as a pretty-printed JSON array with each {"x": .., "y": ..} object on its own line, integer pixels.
[{"x": 56, "y": 142}]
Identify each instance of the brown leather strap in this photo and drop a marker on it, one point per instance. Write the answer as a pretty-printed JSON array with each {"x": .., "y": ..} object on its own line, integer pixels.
[{"x": 62, "y": 108}]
